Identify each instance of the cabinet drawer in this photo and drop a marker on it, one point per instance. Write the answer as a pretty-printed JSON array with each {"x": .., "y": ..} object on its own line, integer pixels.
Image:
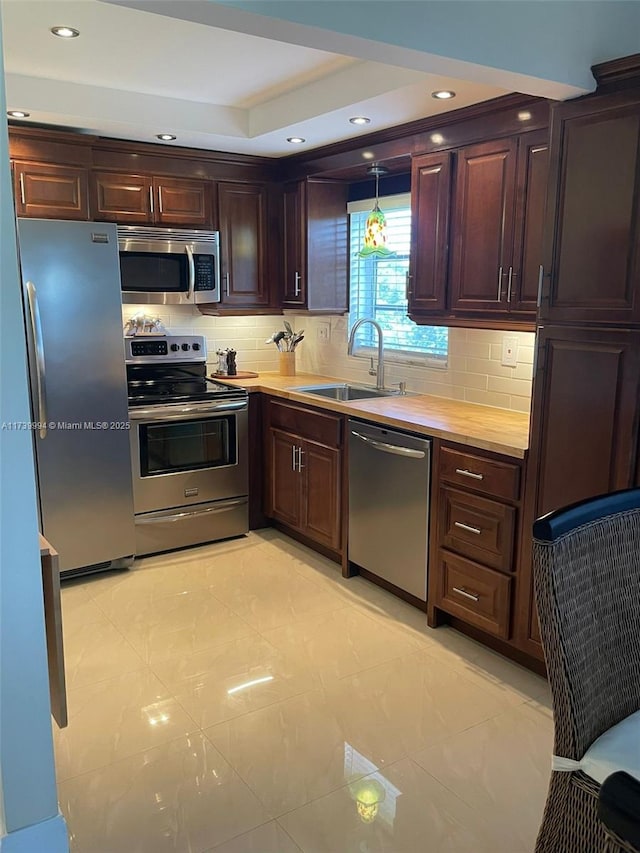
[
  {"x": 480, "y": 596},
  {"x": 497, "y": 479},
  {"x": 477, "y": 528},
  {"x": 317, "y": 426}
]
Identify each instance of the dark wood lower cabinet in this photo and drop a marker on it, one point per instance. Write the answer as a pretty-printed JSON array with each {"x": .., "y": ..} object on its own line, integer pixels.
[
  {"x": 285, "y": 484},
  {"x": 585, "y": 414},
  {"x": 477, "y": 581},
  {"x": 584, "y": 430},
  {"x": 303, "y": 476},
  {"x": 321, "y": 493}
]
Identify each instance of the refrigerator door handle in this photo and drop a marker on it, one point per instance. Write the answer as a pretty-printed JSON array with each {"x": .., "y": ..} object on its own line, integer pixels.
[
  {"x": 36, "y": 329},
  {"x": 192, "y": 272}
]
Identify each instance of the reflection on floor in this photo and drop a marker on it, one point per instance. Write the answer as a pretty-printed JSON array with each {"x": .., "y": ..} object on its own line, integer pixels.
[{"x": 242, "y": 697}]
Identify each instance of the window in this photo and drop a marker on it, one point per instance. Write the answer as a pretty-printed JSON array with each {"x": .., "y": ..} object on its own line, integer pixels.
[{"x": 378, "y": 289}]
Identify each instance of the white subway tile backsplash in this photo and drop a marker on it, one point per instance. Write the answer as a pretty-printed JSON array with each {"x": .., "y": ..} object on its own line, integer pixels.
[
  {"x": 487, "y": 398},
  {"x": 473, "y": 371},
  {"x": 520, "y": 387}
]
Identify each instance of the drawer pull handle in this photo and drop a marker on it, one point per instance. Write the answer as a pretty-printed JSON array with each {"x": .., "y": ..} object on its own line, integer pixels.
[
  {"x": 467, "y": 527},
  {"x": 466, "y": 473},
  {"x": 466, "y": 594}
]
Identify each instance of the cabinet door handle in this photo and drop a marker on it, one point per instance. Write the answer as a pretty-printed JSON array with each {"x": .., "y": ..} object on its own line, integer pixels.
[
  {"x": 300, "y": 465},
  {"x": 226, "y": 284},
  {"x": 151, "y": 199},
  {"x": 466, "y": 473},
  {"x": 540, "y": 277},
  {"x": 467, "y": 527},
  {"x": 22, "y": 193},
  {"x": 294, "y": 450},
  {"x": 296, "y": 284},
  {"x": 466, "y": 594},
  {"x": 500, "y": 283},
  {"x": 160, "y": 199},
  {"x": 408, "y": 285},
  {"x": 510, "y": 280}
]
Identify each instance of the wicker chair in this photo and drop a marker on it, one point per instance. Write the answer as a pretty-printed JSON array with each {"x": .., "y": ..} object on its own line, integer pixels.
[
  {"x": 586, "y": 562},
  {"x": 619, "y": 811}
]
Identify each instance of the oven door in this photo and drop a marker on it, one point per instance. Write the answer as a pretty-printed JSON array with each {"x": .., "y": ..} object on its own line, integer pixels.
[{"x": 188, "y": 454}]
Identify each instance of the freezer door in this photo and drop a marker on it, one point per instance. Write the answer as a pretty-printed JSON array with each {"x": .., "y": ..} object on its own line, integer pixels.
[{"x": 70, "y": 274}]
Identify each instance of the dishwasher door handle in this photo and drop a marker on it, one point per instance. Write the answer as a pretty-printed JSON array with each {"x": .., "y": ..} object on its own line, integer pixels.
[{"x": 390, "y": 448}]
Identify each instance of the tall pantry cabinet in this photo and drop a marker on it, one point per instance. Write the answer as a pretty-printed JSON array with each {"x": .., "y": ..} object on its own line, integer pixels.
[{"x": 586, "y": 392}]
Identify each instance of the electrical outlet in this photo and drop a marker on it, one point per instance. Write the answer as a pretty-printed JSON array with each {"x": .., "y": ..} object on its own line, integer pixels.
[
  {"x": 324, "y": 332},
  {"x": 509, "y": 352}
]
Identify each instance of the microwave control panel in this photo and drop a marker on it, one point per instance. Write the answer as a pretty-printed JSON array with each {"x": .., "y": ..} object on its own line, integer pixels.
[{"x": 204, "y": 272}]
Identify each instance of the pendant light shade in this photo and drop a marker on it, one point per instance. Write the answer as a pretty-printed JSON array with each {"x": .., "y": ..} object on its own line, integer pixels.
[{"x": 375, "y": 233}]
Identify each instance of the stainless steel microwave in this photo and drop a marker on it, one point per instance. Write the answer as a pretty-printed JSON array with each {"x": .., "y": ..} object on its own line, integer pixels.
[{"x": 169, "y": 266}]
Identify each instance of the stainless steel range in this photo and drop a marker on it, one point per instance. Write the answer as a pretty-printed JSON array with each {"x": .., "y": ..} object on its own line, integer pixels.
[{"x": 188, "y": 446}]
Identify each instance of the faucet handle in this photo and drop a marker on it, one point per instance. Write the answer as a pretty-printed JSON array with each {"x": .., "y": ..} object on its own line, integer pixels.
[
  {"x": 372, "y": 370},
  {"x": 402, "y": 386}
]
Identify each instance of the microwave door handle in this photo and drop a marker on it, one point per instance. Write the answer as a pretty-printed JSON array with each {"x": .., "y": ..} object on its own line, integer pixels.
[{"x": 192, "y": 272}]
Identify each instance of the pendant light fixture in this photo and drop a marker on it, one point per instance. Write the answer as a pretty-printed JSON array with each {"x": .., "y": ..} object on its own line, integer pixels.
[{"x": 375, "y": 232}]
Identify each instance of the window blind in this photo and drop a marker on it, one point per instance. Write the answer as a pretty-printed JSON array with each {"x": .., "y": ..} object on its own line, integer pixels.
[{"x": 378, "y": 285}]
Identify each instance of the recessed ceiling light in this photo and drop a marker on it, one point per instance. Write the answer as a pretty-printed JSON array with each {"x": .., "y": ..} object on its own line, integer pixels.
[
  {"x": 17, "y": 114},
  {"x": 360, "y": 120},
  {"x": 165, "y": 137},
  {"x": 443, "y": 94},
  {"x": 524, "y": 115},
  {"x": 437, "y": 138},
  {"x": 368, "y": 155},
  {"x": 65, "y": 32},
  {"x": 296, "y": 140}
]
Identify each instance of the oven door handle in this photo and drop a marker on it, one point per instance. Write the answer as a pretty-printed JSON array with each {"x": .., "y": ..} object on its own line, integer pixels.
[
  {"x": 171, "y": 413},
  {"x": 225, "y": 506}
]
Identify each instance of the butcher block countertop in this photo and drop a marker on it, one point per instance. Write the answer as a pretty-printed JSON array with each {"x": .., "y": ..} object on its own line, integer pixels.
[{"x": 486, "y": 427}]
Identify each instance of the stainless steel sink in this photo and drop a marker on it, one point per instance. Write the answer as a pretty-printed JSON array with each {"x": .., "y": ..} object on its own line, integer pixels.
[{"x": 345, "y": 392}]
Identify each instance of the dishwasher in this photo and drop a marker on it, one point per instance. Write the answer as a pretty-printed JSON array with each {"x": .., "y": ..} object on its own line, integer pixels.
[{"x": 389, "y": 475}]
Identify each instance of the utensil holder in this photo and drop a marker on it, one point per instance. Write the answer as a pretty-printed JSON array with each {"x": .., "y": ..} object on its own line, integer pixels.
[{"x": 287, "y": 363}]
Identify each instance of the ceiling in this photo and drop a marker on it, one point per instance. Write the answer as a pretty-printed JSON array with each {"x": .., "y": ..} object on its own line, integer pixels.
[{"x": 133, "y": 74}]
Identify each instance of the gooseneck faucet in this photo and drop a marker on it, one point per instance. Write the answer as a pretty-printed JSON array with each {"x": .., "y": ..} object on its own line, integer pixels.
[{"x": 352, "y": 337}]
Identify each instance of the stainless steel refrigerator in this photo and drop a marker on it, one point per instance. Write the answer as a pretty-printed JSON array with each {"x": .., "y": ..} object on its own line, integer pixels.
[{"x": 71, "y": 281}]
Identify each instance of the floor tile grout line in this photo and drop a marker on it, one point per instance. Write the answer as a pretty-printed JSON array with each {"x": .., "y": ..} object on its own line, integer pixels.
[{"x": 165, "y": 743}]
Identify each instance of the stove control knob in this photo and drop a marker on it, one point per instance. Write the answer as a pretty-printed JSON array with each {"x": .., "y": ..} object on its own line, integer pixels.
[
  {"x": 196, "y": 347},
  {"x": 185, "y": 347},
  {"x": 174, "y": 347}
]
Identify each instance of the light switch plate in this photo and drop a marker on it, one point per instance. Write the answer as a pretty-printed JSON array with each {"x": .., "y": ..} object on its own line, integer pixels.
[
  {"x": 509, "y": 352},
  {"x": 324, "y": 332}
]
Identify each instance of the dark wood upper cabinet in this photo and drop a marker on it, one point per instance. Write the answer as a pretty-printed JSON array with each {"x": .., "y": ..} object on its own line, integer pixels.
[
  {"x": 477, "y": 224},
  {"x": 295, "y": 244},
  {"x": 129, "y": 199},
  {"x": 183, "y": 202},
  {"x": 591, "y": 241},
  {"x": 126, "y": 199},
  {"x": 50, "y": 191},
  {"x": 531, "y": 193},
  {"x": 430, "y": 211},
  {"x": 483, "y": 226},
  {"x": 243, "y": 218},
  {"x": 585, "y": 414},
  {"x": 316, "y": 245}
]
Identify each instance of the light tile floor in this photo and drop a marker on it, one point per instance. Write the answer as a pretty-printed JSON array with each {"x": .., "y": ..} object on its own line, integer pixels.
[{"x": 243, "y": 697}]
